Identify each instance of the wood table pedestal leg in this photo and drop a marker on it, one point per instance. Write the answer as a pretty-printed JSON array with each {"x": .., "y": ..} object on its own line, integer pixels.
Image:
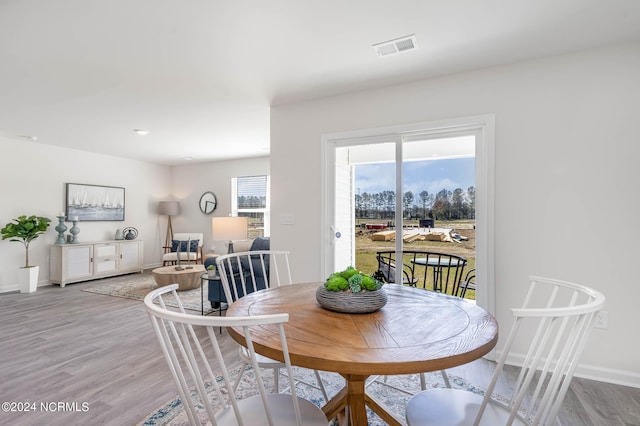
[
  {"x": 349, "y": 404},
  {"x": 355, "y": 400}
]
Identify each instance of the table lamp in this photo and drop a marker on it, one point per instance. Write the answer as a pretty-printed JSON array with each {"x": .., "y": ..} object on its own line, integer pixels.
[
  {"x": 229, "y": 228},
  {"x": 169, "y": 208}
]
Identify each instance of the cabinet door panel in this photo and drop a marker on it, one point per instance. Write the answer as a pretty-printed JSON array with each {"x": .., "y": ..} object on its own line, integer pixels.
[
  {"x": 130, "y": 256},
  {"x": 79, "y": 262}
]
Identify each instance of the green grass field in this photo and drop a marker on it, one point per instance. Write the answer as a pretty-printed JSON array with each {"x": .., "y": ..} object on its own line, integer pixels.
[{"x": 366, "y": 249}]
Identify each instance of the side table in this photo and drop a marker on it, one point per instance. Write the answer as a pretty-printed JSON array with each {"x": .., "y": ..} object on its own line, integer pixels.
[{"x": 205, "y": 280}]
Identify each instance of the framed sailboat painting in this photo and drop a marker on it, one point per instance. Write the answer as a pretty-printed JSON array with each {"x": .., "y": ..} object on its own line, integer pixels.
[{"x": 94, "y": 203}]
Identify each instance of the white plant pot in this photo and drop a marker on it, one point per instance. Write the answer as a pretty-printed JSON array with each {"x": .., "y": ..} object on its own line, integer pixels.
[{"x": 28, "y": 278}]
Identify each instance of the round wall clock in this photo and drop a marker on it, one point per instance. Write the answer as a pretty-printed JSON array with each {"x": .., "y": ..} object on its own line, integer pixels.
[{"x": 208, "y": 202}]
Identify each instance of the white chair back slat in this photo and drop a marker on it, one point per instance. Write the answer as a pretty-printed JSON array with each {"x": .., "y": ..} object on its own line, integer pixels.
[{"x": 287, "y": 361}]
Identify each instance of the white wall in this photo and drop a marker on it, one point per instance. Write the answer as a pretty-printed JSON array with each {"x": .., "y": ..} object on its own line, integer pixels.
[
  {"x": 32, "y": 181},
  {"x": 566, "y": 154},
  {"x": 192, "y": 180}
]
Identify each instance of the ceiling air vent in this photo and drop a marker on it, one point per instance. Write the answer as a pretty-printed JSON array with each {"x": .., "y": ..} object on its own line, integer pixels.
[{"x": 398, "y": 45}]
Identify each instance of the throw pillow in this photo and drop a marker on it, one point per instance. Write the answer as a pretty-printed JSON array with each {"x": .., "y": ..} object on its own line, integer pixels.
[
  {"x": 192, "y": 245},
  {"x": 261, "y": 243}
]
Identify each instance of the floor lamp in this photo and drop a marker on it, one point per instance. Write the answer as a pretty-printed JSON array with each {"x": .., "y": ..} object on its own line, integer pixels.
[
  {"x": 229, "y": 228},
  {"x": 169, "y": 208}
]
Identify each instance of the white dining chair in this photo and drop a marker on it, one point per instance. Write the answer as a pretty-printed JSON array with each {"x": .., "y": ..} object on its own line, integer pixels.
[
  {"x": 551, "y": 329},
  {"x": 183, "y": 339},
  {"x": 246, "y": 272}
]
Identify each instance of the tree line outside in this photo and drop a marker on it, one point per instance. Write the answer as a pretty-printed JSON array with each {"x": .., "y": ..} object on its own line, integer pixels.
[
  {"x": 252, "y": 201},
  {"x": 252, "y": 206},
  {"x": 443, "y": 205}
]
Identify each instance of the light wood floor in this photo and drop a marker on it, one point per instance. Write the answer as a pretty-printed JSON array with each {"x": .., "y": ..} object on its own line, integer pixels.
[{"x": 66, "y": 345}]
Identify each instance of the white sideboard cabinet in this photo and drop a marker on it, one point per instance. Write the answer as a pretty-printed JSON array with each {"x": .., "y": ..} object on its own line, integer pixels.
[{"x": 71, "y": 263}]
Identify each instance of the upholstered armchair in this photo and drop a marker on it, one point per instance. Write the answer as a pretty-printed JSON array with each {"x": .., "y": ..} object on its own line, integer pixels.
[{"x": 187, "y": 244}]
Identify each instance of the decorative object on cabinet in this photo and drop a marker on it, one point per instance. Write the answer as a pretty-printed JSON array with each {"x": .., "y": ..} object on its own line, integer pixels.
[
  {"x": 99, "y": 259},
  {"x": 95, "y": 202},
  {"x": 169, "y": 208},
  {"x": 130, "y": 233},
  {"x": 208, "y": 202},
  {"x": 61, "y": 227},
  {"x": 25, "y": 229},
  {"x": 74, "y": 230},
  {"x": 229, "y": 228},
  {"x": 119, "y": 234}
]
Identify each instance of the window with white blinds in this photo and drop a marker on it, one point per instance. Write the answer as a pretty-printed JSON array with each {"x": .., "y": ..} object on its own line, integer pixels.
[{"x": 251, "y": 198}]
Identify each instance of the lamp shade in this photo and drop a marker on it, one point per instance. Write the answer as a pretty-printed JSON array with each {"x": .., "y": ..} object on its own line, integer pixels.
[
  {"x": 169, "y": 208},
  {"x": 229, "y": 228}
]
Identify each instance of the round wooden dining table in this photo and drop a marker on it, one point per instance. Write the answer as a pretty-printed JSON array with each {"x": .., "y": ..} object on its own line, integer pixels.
[{"x": 416, "y": 331}]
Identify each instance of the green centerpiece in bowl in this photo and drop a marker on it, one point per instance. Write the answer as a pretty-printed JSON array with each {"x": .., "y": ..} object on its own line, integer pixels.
[{"x": 351, "y": 291}]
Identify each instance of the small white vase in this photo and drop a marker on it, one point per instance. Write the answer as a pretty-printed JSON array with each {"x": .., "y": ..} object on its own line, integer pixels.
[{"x": 28, "y": 279}]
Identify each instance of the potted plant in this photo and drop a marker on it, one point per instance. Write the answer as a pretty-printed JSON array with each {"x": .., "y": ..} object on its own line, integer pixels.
[
  {"x": 211, "y": 271},
  {"x": 351, "y": 291},
  {"x": 25, "y": 229}
]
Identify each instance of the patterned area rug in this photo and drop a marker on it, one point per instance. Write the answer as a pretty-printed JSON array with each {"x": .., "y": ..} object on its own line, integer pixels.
[
  {"x": 137, "y": 286},
  {"x": 394, "y": 394}
]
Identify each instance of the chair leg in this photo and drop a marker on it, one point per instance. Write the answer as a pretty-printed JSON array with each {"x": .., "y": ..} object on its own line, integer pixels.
[
  {"x": 445, "y": 378},
  {"x": 318, "y": 385},
  {"x": 276, "y": 380},
  {"x": 423, "y": 381},
  {"x": 235, "y": 385},
  {"x": 321, "y": 386}
]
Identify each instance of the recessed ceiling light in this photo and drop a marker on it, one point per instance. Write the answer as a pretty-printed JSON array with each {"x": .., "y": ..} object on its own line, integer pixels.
[
  {"x": 188, "y": 158},
  {"x": 141, "y": 132},
  {"x": 397, "y": 45},
  {"x": 29, "y": 138}
]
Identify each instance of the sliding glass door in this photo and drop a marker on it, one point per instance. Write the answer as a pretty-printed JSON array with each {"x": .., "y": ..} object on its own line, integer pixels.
[{"x": 399, "y": 191}]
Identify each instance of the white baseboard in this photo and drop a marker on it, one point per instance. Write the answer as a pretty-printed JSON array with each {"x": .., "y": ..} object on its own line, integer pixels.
[
  {"x": 608, "y": 375},
  {"x": 591, "y": 372},
  {"x": 9, "y": 289}
]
